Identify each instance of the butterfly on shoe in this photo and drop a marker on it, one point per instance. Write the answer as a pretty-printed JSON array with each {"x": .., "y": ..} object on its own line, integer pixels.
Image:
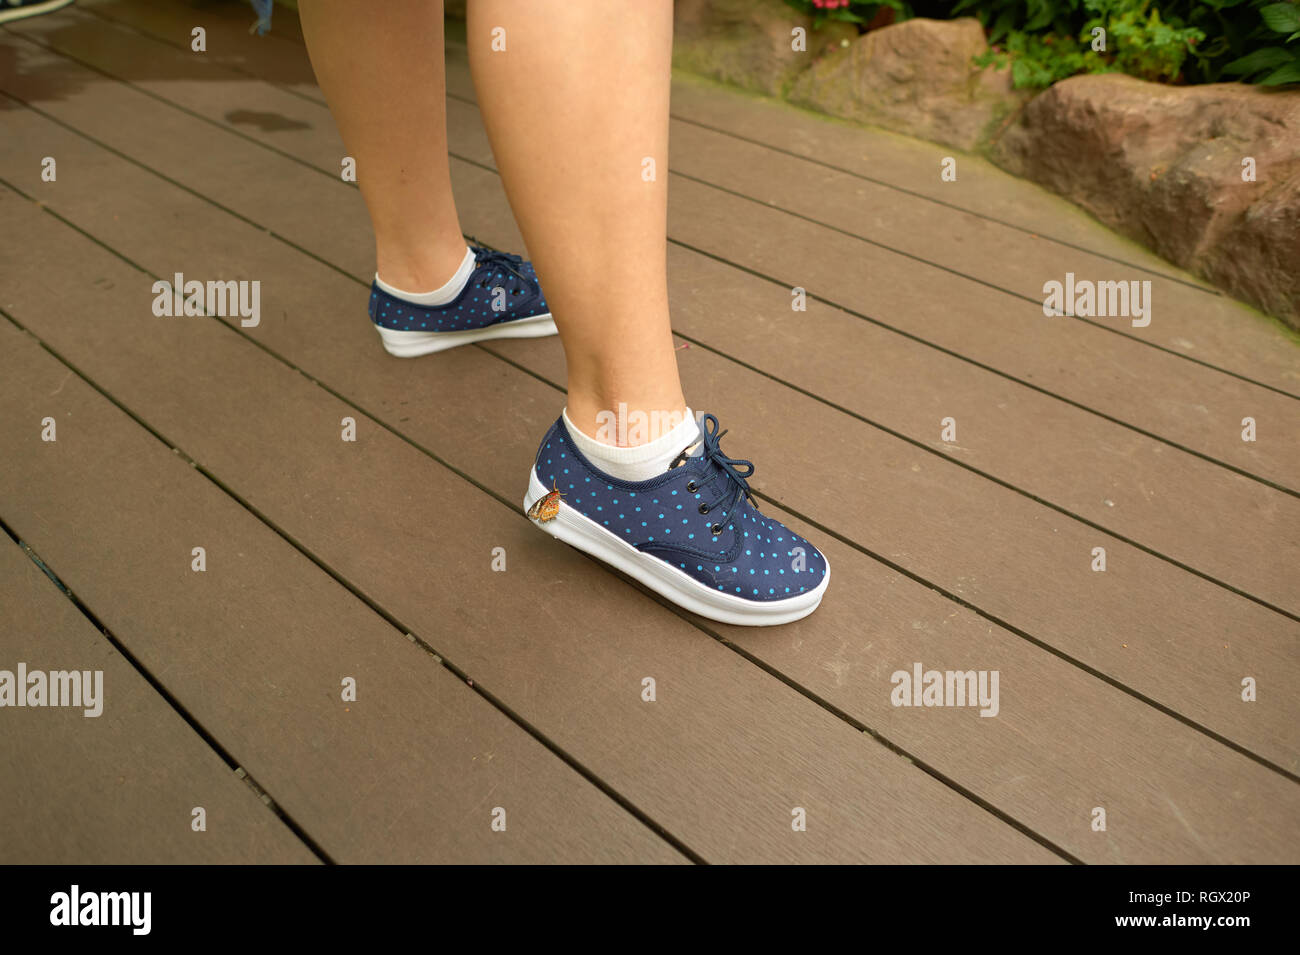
[{"x": 546, "y": 507}]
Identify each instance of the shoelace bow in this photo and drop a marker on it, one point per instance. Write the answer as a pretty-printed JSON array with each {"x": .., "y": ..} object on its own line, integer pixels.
[
  {"x": 736, "y": 470},
  {"x": 512, "y": 265}
]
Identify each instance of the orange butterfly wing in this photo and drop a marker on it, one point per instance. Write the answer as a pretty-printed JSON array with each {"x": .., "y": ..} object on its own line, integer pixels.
[{"x": 545, "y": 508}]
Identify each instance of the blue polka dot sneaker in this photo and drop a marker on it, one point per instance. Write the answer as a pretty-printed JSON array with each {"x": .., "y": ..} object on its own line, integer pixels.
[
  {"x": 501, "y": 299},
  {"x": 693, "y": 534}
]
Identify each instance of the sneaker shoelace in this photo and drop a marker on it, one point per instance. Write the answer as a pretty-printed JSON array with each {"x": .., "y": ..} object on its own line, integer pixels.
[
  {"x": 734, "y": 470},
  {"x": 513, "y": 268}
]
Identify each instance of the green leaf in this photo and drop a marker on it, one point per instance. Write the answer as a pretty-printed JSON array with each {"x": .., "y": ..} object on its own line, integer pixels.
[
  {"x": 1287, "y": 74},
  {"x": 1038, "y": 18},
  {"x": 1002, "y": 25},
  {"x": 1269, "y": 58},
  {"x": 1281, "y": 17}
]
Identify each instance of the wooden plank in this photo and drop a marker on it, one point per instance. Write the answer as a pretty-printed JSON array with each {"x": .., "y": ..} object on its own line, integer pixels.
[
  {"x": 1190, "y": 405},
  {"x": 723, "y": 756},
  {"x": 1111, "y": 476},
  {"x": 337, "y": 353},
  {"x": 266, "y": 639},
  {"x": 119, "y": 787}
]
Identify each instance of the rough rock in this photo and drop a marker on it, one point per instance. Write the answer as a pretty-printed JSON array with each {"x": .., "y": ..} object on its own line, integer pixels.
[
  {"x": 1164, "y": 165},
  {"x": 749, "y": 42},
  {"x": 916, "y": 78}
]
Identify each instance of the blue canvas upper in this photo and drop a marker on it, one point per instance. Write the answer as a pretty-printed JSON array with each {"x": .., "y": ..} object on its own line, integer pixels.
[
  {"x": 698, "y": 516},
  {"x": 521, "y": 297}
]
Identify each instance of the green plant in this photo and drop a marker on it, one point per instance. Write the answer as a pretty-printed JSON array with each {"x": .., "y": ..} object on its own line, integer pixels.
[
  {"x": 1175, "y": 41},
  {"x": 1141, "y": 44},
  {"x": 1039, "y": 61},
  {"x": 1002, "y": 18},
  {"x": 1273, "y": 65},
  {"x": 1163, "y": 40}
]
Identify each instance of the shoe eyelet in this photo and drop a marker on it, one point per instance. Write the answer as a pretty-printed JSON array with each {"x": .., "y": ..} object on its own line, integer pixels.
[
  {"x": 716, "y": 529},
  {"x": 692, "y": 487},
  {"x": 704, "y": 508}
]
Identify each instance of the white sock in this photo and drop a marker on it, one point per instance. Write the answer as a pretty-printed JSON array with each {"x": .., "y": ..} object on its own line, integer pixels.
[
  {"x": 439, "y": 296},
  {"x": 642, "y": 462}
]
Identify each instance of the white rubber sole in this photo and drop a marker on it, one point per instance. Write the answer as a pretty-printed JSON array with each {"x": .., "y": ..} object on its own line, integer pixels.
[
  {"x": 663, "y": 578},
  {"x": 413, "y": 344}
]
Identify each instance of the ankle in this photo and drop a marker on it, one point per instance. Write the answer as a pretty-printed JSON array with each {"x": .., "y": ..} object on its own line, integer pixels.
[
  {"x": 420, "y": 270},
  {"x": 625, "y": 424},
  {"x": 643, "y": 460},
  {"x": 441, "y": 295}
]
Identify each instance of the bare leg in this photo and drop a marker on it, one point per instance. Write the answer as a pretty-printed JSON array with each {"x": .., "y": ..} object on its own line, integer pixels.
[
  {"x": 573, "y": 106},
  {"x": 381, "y": 67}
]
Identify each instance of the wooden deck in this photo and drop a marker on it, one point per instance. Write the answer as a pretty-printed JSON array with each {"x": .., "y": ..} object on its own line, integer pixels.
[{"x": 522, "y": 690}]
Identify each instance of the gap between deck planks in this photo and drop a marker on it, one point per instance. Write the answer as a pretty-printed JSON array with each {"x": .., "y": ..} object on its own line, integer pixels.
[
  {"x": 119, "y": 787},
  {"x": 1277, "y": 649}
]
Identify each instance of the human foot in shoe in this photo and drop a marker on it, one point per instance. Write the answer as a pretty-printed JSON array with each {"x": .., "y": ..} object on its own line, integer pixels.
[
  {"x": 692, "y": 534},
  {"x": 493, "y": 295}
]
